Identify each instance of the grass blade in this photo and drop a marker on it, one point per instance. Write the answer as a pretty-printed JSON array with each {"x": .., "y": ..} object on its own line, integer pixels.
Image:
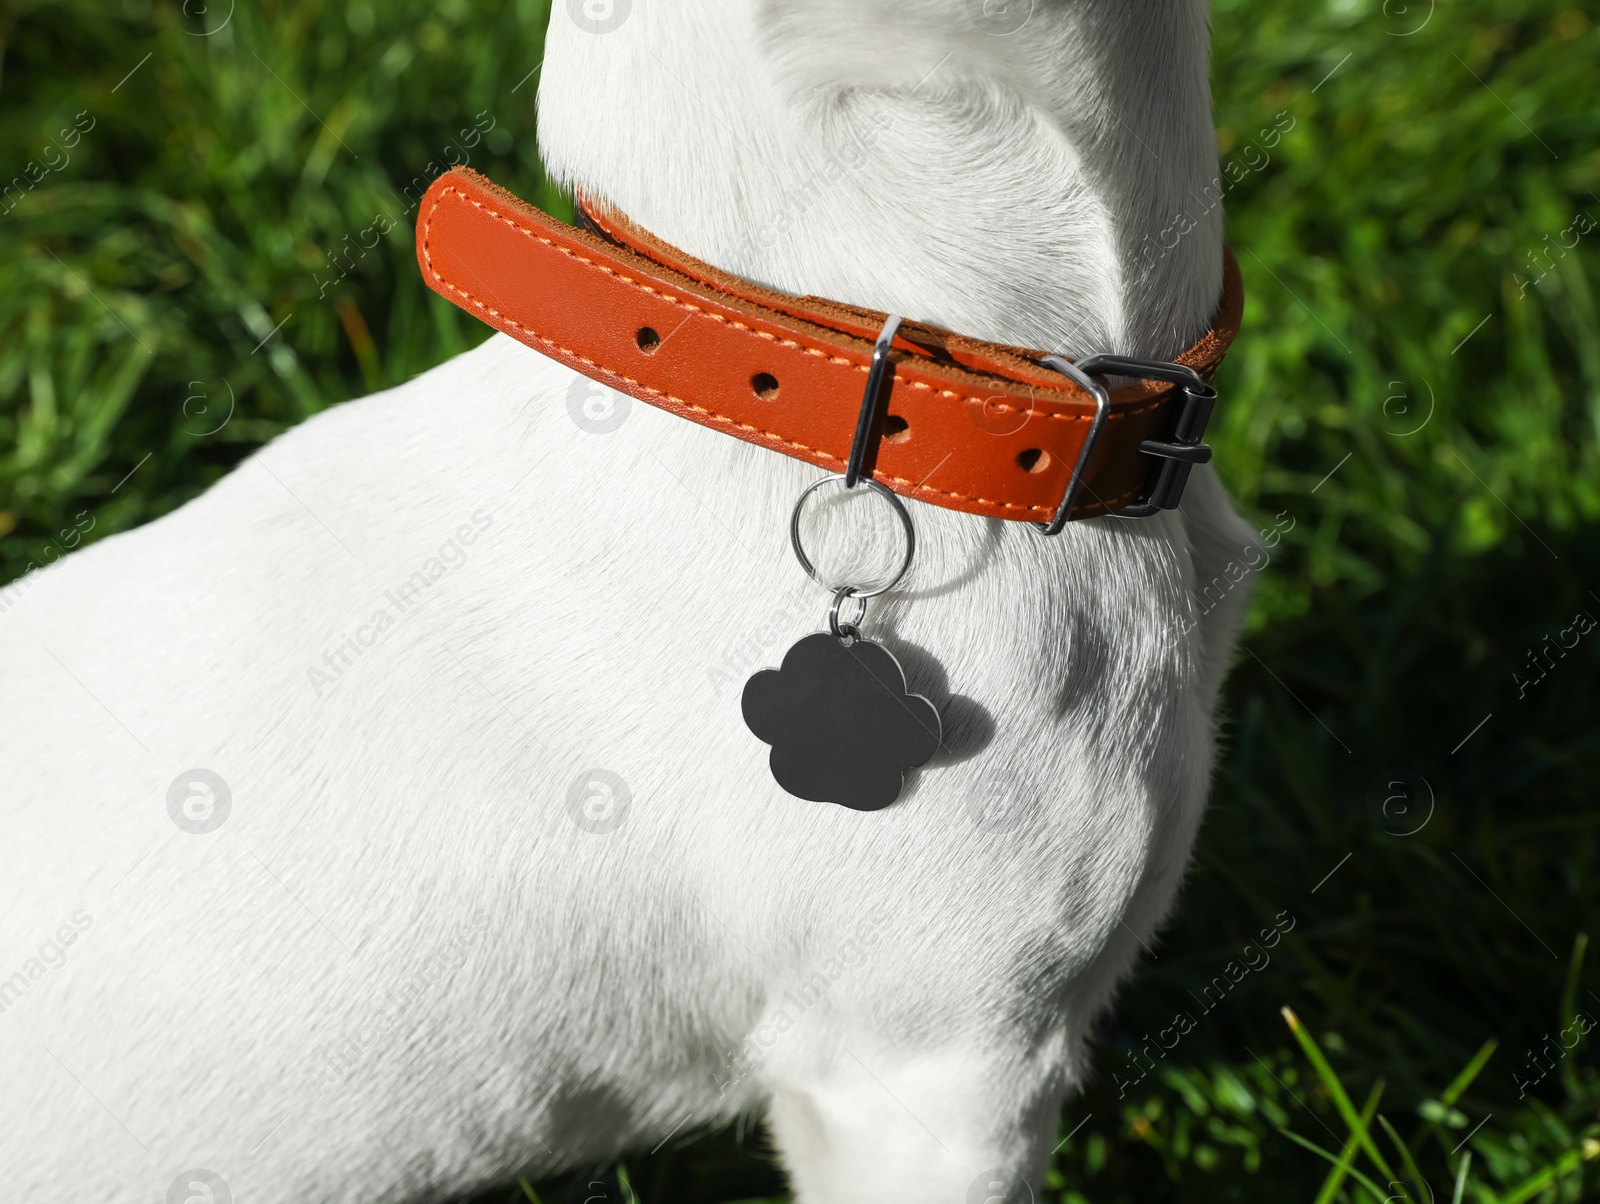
[
  {"x": 1405, "y": 1156},
  {"x": 1378, "y": 1194},
  {"x": 1532, "y": 1186},
  {"x": 1341, "y": 1098},
  {"x": 1336, "y": 1177},
  {"x": 1462, "y": 1081},
  {"x": 629, "y": 1196},
  {"x": 1461, "y": 1177}
]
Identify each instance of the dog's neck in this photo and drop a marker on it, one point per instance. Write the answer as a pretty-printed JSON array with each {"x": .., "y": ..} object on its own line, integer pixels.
[{"x": 1052, "y": 187}]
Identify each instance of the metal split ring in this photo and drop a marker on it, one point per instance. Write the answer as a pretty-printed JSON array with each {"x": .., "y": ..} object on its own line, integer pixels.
[
  {"x": 846, "y": 631},
  {"x": 854, "y": 591}
]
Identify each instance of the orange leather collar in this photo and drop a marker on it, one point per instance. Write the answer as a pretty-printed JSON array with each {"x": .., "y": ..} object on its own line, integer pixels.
[{"x": 972, "y": 426}]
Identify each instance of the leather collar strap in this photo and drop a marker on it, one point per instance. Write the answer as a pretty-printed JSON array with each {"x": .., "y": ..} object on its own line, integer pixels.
[{"x": 972, "y": 426}]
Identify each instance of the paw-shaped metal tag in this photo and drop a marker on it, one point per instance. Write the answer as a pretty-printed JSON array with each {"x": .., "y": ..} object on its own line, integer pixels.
[{"x": 842, "y": 726}]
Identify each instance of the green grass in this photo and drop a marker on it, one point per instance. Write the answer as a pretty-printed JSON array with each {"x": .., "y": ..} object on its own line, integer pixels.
[{"x": 1427, "y": 423}]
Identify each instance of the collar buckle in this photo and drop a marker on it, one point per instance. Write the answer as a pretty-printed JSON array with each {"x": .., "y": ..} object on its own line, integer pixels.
[
  {"x": 1183, "y": 448},
  {"x": 1178, "y": 453}
]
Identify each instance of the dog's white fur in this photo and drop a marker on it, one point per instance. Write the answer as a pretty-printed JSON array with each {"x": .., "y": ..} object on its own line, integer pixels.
[{"x": 400, "y": 880}]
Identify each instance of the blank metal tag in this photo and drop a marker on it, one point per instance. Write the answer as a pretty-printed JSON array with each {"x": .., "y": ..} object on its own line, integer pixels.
[{"x": 842, "y": 726}]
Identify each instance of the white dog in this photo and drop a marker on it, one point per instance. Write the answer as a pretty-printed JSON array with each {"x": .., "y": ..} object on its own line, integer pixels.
[{"x": 305, "y": 897}]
